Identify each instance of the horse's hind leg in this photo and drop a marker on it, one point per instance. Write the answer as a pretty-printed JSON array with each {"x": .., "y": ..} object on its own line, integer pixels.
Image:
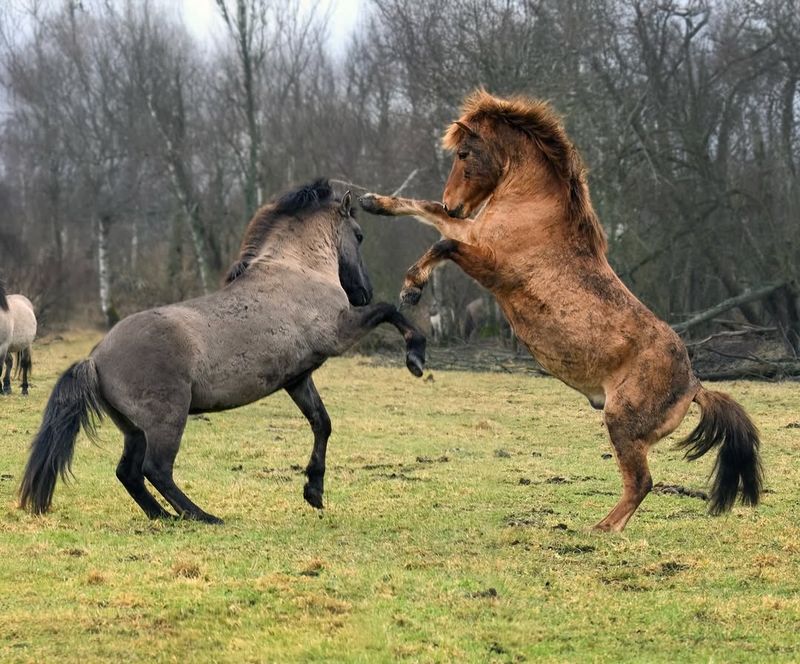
[
  {"x": 633, "y": 432},
  {"x": 163, "y": 442},
  {"x": 129, "y": 472},
  {"x": 636, "y": 481},
  {"x": 304, "y": 394},
  {"x": 129, "y": 468},
  {"x": 9, "y": 362},
  {"x": 24, "y": 362}
]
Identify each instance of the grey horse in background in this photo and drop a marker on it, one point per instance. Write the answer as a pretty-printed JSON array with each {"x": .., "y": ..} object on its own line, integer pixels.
[
  {"x": 17, "y": 332},
  {"x": 298, "y": 294}
]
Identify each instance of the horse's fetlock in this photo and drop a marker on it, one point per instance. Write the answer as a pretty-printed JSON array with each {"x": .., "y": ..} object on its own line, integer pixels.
[
  {"x": 313, "y": 495},
  {"x": 410, "y": 295},
  {"x": 315, "y": 471}
]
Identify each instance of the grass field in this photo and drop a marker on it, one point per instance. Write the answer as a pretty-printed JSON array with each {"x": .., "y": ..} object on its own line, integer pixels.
[{"x": 456, "y": 529}]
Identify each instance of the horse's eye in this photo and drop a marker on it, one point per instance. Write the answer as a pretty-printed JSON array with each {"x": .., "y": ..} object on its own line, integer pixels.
[
  {"x": 359, "y": 236},
  {"x": 463, "y": 154}
]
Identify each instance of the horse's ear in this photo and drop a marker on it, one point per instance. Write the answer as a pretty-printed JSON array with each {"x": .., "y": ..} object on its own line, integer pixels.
[
  {"x": 470, "y": 131},
  {"x": 346, "y": 205}
]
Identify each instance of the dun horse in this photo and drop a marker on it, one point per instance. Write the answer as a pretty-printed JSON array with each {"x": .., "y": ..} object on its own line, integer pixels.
[
  {"x": 538, "y": 246},
  {"x": 17, "y": 332},
  {"x": 298, "y": 294}
]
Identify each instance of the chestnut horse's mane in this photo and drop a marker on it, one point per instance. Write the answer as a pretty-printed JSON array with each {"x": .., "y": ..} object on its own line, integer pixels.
[{"x": 537, "y": 120}]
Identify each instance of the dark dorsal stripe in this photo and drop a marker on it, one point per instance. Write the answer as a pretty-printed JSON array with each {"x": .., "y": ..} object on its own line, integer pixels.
[{"x": 309, "y": 197}]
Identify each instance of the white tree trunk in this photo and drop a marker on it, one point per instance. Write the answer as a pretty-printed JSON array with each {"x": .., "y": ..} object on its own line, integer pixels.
[
  {"x": 197, "y": 244},
  {"x": 102, "y": 228},
  {"x": 134, "y": 247}
]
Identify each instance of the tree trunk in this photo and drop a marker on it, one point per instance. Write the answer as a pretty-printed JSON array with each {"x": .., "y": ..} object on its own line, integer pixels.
[
  {"x": 196, "y": 231},
  {"x": 103, "y": 227}
]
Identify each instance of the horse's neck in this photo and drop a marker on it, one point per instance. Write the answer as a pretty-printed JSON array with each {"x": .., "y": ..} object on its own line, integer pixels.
[
  {"x": 316, "y": 254},
  {"x": 537, "y": 216}
]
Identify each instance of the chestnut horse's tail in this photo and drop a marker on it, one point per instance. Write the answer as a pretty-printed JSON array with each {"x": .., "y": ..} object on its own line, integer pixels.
[
  {"x": 725, "y": 423},
  {"x": 74, "y": 403}
]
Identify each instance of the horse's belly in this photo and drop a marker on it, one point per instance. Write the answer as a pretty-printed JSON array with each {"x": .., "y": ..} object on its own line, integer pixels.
[{"x": 247, "y": 381}]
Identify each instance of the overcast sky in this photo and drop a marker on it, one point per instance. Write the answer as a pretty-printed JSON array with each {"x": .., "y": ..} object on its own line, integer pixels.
[{"x": 202, "y": 18}]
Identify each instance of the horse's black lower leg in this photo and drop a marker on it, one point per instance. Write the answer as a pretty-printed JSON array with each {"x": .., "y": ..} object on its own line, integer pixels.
[
  {"x": 129, "y": 472},
  {"x": 9, "y": 362},
  {"x": 361, "y": 320},
  {"x": 415, "y": 342},
  {"x": 25, "y": 363},
  {"x": 304, "y": 394},
  {"x": 163, "y": 442}
]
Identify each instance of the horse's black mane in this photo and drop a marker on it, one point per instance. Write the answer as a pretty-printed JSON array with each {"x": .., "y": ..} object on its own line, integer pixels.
[
  {"x": 310, "y": 196},
  {"x": 3, "y": 300},
  {"x": 314, "y": 195}
]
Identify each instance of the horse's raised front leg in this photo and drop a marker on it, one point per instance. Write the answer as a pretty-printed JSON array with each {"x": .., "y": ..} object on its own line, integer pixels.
[
  {"x": 477, "y": 262},
  {"x": 429, "y": 212},
  {"x": 304, "y": 394},
  {"x": 358, "y": 321}
]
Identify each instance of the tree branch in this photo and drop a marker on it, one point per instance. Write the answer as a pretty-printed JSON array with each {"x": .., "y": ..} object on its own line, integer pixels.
[{"x": 725, "y": 305}]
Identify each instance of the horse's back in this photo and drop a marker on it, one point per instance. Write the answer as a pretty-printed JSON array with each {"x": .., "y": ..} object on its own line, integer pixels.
[{"x": 23, "y": 322}]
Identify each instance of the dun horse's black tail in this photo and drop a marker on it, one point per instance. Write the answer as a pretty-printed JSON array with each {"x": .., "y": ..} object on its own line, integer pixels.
[
  {"x": 74, "y": 403},
  {"x": 725, "y": 423}
]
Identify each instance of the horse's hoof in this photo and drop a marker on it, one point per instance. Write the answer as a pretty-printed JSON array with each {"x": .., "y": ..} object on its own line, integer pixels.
[
  {"x": 415, "y": 364},
  {"x": 204, "y": 517},
  {"x": 369, "y": 203},
  {"x": 313, "y": 496},
  {"x": 410, "y": 295}
]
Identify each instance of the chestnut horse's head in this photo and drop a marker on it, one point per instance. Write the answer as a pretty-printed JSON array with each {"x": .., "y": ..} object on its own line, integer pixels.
[{"x": 477, "y": 168}]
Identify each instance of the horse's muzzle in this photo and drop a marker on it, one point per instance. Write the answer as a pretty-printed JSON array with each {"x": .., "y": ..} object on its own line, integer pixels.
[{"x": 456, "y": 212}]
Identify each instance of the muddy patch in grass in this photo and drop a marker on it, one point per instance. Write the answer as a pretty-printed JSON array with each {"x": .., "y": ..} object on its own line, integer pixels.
[
  {"x": 572, "y": 549},
  {"x": 442, "y": 459},
  {"x": 662, "y": 489},
  {"x": 401, "y": 476},
  {"x": 534, "y": 517},
  {"x": 489, "y": 593},
  {"x": 667, "y": 569}
]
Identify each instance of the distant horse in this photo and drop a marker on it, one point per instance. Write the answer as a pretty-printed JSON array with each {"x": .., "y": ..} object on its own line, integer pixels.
[
  {"x": 479, "y": 314},
  {"x": 538, "y": 246},
  {"x": 298, "y": 294},
  {"x": 17, "y": 332}
]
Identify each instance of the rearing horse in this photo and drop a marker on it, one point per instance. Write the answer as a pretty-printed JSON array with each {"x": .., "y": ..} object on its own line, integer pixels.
[
  {"x": 538, "y": 246},
  {"x": 298, "y": 294}
]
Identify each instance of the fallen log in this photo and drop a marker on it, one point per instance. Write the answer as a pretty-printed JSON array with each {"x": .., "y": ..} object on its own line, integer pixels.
[{"x": 725, "y": 305}]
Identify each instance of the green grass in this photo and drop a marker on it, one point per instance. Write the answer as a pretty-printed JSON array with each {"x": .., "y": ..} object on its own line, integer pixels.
[{"x": 430, "y": 548}]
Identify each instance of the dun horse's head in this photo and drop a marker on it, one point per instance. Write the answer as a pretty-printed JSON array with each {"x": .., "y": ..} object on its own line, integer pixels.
[
  {"x": 476, "y": 170},
  {"x": 352, "y": 271}
]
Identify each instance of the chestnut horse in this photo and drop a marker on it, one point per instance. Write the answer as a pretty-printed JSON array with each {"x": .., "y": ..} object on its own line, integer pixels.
[{"x": 538, "y": 246}]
